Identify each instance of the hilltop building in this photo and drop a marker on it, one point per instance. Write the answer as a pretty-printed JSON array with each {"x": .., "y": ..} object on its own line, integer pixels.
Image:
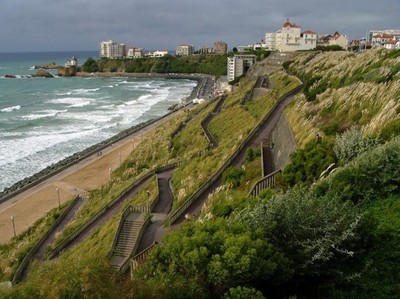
[
  {"x": 109, "y": 49},
  {"x": 184, "y": 50},
  {"x": 335, "y": 39},
  {"x": 239, "y": 65},
  {"x": 290, "y": 38},
  {"x": 220, "y": 48}
]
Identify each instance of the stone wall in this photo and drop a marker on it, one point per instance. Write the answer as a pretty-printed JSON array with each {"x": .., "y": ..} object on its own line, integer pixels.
[{"x": 283, "y": 143}]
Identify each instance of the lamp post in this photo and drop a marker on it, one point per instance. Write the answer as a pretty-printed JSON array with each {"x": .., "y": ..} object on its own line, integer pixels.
[
  {"x": 133, "y": 144},
  {"x": 110, "y": 171},
  {"x": 148, "y": 200},
  {"x": 13, "y": 225},
  {"x": 119, "y": 155},
  {"x": 58, "y": 197}
]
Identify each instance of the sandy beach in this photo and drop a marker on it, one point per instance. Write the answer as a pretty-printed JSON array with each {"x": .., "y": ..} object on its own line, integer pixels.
[{"x": 88, "y": 174}]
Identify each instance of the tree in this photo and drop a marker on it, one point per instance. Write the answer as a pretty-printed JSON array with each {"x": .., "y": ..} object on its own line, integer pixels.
[
  {"x": 90, "y": 65},
  {"x": 316, "y": 233},
  {"x": 217, "y": 256}
]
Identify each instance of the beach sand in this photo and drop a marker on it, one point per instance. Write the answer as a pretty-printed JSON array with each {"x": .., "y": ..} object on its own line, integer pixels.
[{"x": 80, "y": 178}]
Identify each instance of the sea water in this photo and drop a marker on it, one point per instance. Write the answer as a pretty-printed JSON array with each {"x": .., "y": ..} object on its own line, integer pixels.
[{"x": 44, "y": 120}]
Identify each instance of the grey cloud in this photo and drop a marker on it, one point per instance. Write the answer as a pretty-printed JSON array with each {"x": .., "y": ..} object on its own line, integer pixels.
[{"x": 155, "y": 24}]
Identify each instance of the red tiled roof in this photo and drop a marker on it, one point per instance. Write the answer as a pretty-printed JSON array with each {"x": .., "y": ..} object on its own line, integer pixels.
[
  {"x": 289, "y": 24},
  {"x": 309, "y": 32},
  {"x": 382, "y": 35}
]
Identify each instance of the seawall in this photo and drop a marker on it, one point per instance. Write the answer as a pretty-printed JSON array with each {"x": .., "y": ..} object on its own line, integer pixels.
[{"x": 283, "y": 143}]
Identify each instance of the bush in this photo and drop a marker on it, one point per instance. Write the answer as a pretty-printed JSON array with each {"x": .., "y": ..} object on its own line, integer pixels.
[
  {"x": 233, "y": 176},
  {"x": 390, "y": 131},
  {"x": 252, "y": 154},
  {"x": 352, "y": 143},
  {"x": 307, "y": 164},
  {"x": 373, "y": 175}
]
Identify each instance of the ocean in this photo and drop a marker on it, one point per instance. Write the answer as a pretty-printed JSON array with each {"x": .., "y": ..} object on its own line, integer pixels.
[{"x": 44, "y": 120}]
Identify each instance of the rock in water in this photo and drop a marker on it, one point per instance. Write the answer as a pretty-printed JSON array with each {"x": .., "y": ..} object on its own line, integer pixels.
[{"x": 43, "y": 73}]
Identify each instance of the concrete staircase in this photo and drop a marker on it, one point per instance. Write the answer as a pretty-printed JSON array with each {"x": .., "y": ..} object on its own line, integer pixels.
[{"x": 126, "y": 239}]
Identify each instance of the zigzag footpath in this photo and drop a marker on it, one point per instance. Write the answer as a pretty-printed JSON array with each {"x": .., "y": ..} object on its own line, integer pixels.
[{"x": 194, "y": 203}]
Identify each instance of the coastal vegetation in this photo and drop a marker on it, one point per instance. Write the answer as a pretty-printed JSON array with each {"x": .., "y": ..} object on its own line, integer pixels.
[
  {"x": 202, "y": 64},
  {"x": 325, "y": 232}
]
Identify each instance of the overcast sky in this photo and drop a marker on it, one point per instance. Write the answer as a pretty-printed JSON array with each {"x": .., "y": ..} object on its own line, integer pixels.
[{"x": 57, "y": 25}]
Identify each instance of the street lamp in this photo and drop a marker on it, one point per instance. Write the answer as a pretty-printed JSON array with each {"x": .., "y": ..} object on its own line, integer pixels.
[
  {"x": 119, "y": 159},
  {"x": 148, "y": 200},
  {"x": 13, "y": 225},
  {"x": 58, "y": 197}
]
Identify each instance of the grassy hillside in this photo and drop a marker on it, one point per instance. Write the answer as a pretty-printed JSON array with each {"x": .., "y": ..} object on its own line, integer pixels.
[{"x": 344, "y": 89}]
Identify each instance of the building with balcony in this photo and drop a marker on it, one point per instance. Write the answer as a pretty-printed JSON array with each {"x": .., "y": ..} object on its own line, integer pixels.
[
  {"x": 290, "y": 38},
  {"x": 109, "y": 49},
  {"x": 135, "y": 53},
  {"x": 239, "y": 65}
]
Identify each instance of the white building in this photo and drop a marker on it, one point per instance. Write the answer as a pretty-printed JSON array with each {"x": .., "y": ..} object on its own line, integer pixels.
[
  {"x": 135, "y": 53},
  {"x": 270, "y": 41},
  {"x": 158, "y": 53},
  {"x": 72, "y": 62},
  {"x": 290, "y": 38},
  {"x": 184, "y": 50},
  {"x": 239, "y": 65},
  {"x": 109, "y": 49}
]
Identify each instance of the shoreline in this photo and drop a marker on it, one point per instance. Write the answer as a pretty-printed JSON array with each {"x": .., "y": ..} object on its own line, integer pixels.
[{"x": 35, "y": 179}]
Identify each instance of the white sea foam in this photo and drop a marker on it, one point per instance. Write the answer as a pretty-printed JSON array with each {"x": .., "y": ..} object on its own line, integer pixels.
[
  {"x": 11, "y": 109},
  {"x": 43, "y": 114},
  {"x": 72, "y": 102}
]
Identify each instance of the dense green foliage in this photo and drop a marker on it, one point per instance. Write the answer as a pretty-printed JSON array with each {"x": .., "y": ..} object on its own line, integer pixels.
[
  {"x": 307, "y": 164},
  {"x": 202, "y": 64},
  {"x": 215, "y": 256}
]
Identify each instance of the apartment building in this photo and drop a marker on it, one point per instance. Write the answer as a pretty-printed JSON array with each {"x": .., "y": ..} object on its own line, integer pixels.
[
  {"x": 290, "y": 38},
  {"x": 109, "y": 49},
  {"x": 220, "y": 48},
  {"x": 184, "y": 50},
  {"x": 135, "y": 53},
  {"x": 239, "y": 65}
]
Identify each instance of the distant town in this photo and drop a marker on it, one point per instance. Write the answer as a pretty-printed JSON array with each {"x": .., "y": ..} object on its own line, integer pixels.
[{"x": 289, "y": 38}]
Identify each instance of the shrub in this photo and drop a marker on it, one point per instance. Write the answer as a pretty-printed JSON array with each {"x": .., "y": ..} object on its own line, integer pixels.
[
  {"x": 251, "y": 154},
  {"x": 307, "y": 164},
  {"x": 352, "y": 143},
  {"x": 233, "y": 176},
  {"x": 391, "y": 130}
]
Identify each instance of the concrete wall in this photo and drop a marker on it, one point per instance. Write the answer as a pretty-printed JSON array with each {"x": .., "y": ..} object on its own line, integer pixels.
[{"x": 283, "y": 143}]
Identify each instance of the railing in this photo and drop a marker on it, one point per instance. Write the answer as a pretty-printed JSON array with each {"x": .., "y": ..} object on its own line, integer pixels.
[
  {"x": 125, "y": 214},
  {"x": 126, "y": 265},
  {"x": 262, "y": 160},
  {"x": 139, "y": 258},
  {"x": 181, "y": 210},
  {"x": 102, "y": 211},
  {"x": 266, "y": 182},
  {"x": 29, "y": 257}
]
